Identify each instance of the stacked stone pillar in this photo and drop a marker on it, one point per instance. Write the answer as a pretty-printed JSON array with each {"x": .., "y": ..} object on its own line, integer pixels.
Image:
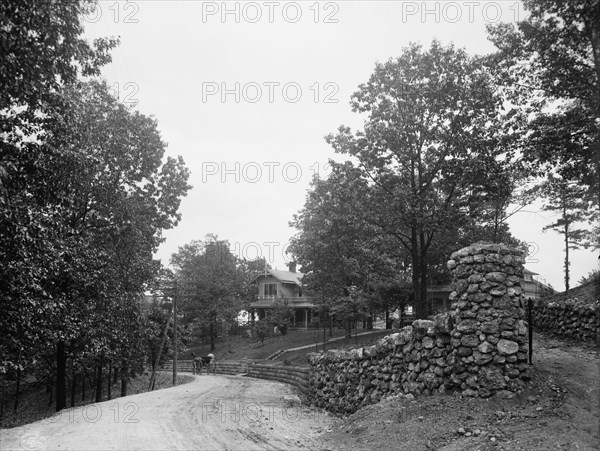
[{"x": 489, "y": 338}]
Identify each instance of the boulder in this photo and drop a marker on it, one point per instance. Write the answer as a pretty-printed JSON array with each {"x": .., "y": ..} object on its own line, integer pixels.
[{"x": 507, "y": 347}]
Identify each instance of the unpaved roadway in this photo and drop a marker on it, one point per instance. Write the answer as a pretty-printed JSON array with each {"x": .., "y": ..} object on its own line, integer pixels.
[{"x": 209, "y": 413}]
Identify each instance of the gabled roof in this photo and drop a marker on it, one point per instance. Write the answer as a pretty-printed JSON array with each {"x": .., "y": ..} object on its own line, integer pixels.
[
  {"x": 529, "y": 273},
  {"x": 283, "y": 276}
]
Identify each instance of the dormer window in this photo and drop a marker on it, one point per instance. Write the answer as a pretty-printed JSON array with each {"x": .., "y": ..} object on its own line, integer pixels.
[
  {"x": 528, "y": 278},
  {"x": 270, "y": 289}
]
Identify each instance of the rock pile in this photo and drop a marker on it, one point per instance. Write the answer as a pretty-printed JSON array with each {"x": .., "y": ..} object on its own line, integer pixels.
[{"x": 478, "y": 348}]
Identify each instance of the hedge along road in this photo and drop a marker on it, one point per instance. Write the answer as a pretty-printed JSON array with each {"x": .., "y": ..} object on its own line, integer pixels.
[{"x": 211, "y": 412}]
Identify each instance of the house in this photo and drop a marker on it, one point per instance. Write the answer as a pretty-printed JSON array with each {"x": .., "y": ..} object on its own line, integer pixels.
[
  {"x": 438, "y": 296},
  {"x": 533, "y": 288},
  {"x": 438, "y": 299},
  {"x": 285, "y": 285}
]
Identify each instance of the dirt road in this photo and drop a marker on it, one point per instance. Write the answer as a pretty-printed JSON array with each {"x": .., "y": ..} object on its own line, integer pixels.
[{"x": 210, "y": 413}]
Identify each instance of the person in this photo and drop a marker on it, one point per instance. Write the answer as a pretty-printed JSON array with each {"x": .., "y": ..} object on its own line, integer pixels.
[
  {"x": 196, "y": 364},
  {"x": 209, "y": 362}
]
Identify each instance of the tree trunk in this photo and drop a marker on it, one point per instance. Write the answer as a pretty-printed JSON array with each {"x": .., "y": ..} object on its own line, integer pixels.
[
  {"x": 124, "y": 377},
  {"x": 388, "y": 323},
  {"x": 17, "y": 390},
  {"x": 83, "y": 386},
  {"x": 153, "y": 378},
  {"x": 423, "y": 279},
  {"x": 159, "y": 354},
  {"x": 99, "y": 383},
  {"x": 211, "y": 331},
  {"x": 61, "y": 374},
  {"x": 73, "y": 387},
  {"x": 401, "y": 315},
  {"x": 50, "y": 391},
  {"x": 566, "y": 252},
  {"x": 418, "y": 307},
  {"x": 109, "y": 383}
]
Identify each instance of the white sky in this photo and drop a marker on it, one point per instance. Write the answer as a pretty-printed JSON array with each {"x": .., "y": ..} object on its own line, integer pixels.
[{"x": 306, "y": 58}]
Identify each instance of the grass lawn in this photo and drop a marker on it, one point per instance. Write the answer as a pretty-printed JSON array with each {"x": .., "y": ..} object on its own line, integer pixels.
[
  {"x": 244, "y": 348},
  {"x": 298, "y": 358}
]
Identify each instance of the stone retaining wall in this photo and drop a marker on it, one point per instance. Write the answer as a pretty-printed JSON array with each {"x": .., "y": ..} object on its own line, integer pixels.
[
  {"x": 224, "y": 367},
  {"x": 573, "y": 318},
  {"x": 296, "y": 376},
  {"x": 479, "y": 348}
]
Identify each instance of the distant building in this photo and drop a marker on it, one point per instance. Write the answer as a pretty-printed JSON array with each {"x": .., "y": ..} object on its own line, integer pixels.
[
  {"x": 285, "y": 285},
  {"x": 438, "y": 296},
  {"x": 533, "y": 288},
  {"x": 438, "y": 299}
]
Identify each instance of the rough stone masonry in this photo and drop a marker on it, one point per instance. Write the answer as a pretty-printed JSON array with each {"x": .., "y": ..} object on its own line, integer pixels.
[{"x": 478, "y": 348}]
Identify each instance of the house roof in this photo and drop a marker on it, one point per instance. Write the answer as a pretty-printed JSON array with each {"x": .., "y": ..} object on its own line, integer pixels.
[
  {"x": 529, "y": 273},
  {"x": 283, "y": 276}
]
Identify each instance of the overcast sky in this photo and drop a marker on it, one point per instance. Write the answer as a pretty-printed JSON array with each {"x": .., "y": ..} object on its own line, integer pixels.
[{"x": 246, "y": 92}]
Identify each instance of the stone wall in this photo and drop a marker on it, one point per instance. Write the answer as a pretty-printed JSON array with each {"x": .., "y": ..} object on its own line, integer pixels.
[
  {"x": 574, "y": 314},
  {"x": 222, "y": 367},
  {"x": 296, "y": 376},
  {"x": 479, "y": 348}
]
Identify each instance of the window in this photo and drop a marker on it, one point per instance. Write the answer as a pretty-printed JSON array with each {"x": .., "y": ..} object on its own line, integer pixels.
[
  {"x": 270, "y": 289},
  {"x": 528, "y": 278}
]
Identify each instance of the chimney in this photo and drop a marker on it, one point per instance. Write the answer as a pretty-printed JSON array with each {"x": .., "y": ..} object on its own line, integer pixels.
[{"x": 292, "y": 266}]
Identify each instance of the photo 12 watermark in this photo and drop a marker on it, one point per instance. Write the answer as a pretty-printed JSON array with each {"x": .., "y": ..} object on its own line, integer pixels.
[
  {"x": 532, "y": 249},
  {"x": 462, "y": 12},
  {"x": 255, "y": 412},
  {"x": 269, "y": 92},
  {"x": 117, "y": 12},
  {"x": 92, "y": 413},
  {"x": 250, "y": 250},
  {"x": 270, "y": 12},
  {"x": 126, "y": 93},
  {"x": 262, "y": 172}
]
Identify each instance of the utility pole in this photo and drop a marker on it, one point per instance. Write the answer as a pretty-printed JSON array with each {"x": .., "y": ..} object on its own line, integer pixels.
[{"x": 175, "y": 295}]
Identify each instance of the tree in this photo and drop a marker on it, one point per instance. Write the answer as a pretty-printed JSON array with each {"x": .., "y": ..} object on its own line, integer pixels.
[
  {"x": 215, "y": 283},
  {"x": 549, "y": 68},
  {"x": 335, "y": 248},
  {"x": 281, "y": 315},
  {"x": 431, "y": 139},
  {"x": 569, "y": 200},
  {"x": 84, "y": 195},
  {"x": 34, "y": 73},
  {"x": 261, "y": 329},
  {"x": 592, "y": 277}
]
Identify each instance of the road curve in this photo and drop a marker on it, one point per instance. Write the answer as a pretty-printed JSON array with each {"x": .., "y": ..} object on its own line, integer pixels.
[{"x": 209, "y": 413}]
